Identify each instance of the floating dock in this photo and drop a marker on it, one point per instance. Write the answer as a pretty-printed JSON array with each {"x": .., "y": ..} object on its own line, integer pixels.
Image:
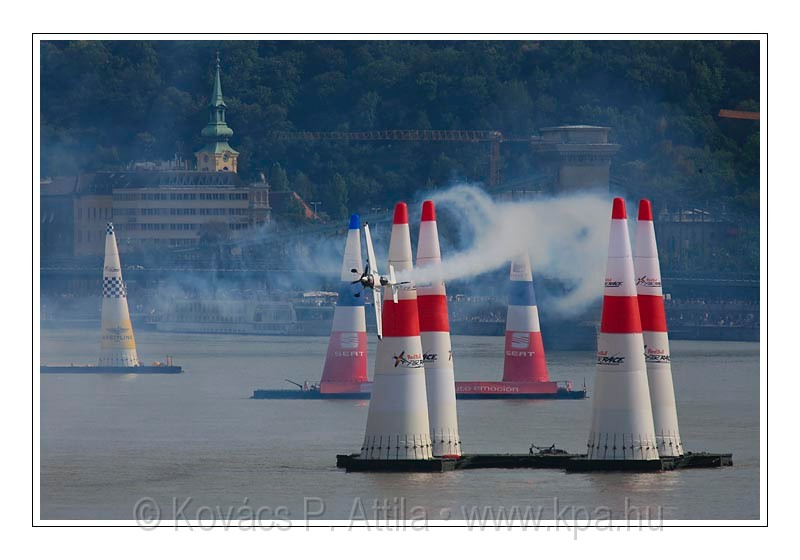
[
  {"x": 701, "y": 460},
  {"x": 583, "y": 464},
  {"x": 356, "y": 464},
  {"x": 465, "y": 390},
  {"x": 117, "y": 370},
  {"x": 557, "y": 459},
  {"x": 300, "y": 394}
]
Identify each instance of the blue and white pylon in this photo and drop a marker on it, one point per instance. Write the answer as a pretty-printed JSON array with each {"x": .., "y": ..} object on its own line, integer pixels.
[
  {"x": 346, "y": 360},
  {"x": 524, "y": 351}
]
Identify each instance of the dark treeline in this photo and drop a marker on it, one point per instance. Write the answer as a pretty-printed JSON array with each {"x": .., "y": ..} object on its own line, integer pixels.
[{"x": 105, "y": 103}]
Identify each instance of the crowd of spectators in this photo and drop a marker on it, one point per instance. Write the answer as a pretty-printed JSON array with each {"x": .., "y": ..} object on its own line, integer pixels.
[
  {"x": 717, "y": 312},
  {"x": 681, "y": 312}
]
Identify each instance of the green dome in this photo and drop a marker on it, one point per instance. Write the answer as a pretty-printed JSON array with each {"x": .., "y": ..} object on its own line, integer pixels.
[{"x": 216, "y": 130}]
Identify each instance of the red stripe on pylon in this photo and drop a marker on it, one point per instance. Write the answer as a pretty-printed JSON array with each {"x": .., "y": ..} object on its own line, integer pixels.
[
  {"x": 433, "y": 313},
  {"x": 620, "y": 315},
  {"x": 345, "y": 363},
  {"x": 401, "y": 318},
  {"x": 651, "y": 310}
]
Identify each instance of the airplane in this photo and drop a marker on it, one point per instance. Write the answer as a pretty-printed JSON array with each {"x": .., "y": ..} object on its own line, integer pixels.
[{"x": 372, "y": 280}]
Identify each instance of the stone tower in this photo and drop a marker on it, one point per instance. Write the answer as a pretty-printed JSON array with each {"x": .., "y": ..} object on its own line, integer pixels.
[{"x": 575, "y": 157}]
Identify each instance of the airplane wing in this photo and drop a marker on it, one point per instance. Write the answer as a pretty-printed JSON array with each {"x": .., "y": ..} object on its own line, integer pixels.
[
  {"x": 393, "y": 283},
  {"x": 376, "y": 303},
  {"x": 373, "y": 262}
]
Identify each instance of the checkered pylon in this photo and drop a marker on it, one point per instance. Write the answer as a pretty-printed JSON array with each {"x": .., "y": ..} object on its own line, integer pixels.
[
  {"x": 109, "y": 229},
  {"x": 114, "y": 288}
]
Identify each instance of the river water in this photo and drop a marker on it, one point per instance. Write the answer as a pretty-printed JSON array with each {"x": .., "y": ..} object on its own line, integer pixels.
[{"x": 197, "y": 440}]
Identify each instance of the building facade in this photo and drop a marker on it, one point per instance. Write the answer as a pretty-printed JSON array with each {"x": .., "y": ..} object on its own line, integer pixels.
[
  {"x": 687, "y": 237},
  {"x": 56, "y": 217},
  {"x": 158, "y": 210},
  {"x": 92, "y": 207}
]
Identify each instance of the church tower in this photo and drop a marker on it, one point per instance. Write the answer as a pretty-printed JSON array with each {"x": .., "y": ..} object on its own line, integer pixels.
[{"x": 217, "y": 155}]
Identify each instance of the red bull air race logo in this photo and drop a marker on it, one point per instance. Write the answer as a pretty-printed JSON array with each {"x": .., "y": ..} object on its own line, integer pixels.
[
  {"x": 604, "y": 359},
  {"x": 408, "y": 360},
  {"x": 648, "y": 282},
  {"x": 430, "y": 357},
  {"x": 655, "y": 355},
  {"x": 611, "y": 283}
]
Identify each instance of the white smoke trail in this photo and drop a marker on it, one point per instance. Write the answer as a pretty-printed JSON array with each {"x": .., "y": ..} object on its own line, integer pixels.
[{"x": 566, "y": 238}]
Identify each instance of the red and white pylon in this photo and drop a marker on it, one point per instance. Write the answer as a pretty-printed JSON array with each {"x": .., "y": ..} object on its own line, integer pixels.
[
  {"x": 622, "y": 418},
  {"x": 654, "y": 330},
  {"x": 437, "y": 350},
  {"x": 397, "y": 421}
]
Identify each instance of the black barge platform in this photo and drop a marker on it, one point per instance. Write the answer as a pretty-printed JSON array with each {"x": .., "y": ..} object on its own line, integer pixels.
[
  {"x": 700, "y": 460},
  {"x": 310, "y": 395},
  {"x": 111, "y": 370},
  {"x": 315, "y": 394},
  {"x": 352, "y": 463},
  {"x": 582, "y": 464},
  {"x": 547, "y": 459}
]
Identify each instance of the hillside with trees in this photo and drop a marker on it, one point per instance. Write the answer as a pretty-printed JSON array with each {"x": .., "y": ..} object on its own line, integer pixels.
[{"x": 106, "y": 103}]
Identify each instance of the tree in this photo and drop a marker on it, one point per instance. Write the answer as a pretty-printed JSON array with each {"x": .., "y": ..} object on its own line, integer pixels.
[
  {"x": 277, "y": 178},
  {"x": 148, "y": 99}
]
